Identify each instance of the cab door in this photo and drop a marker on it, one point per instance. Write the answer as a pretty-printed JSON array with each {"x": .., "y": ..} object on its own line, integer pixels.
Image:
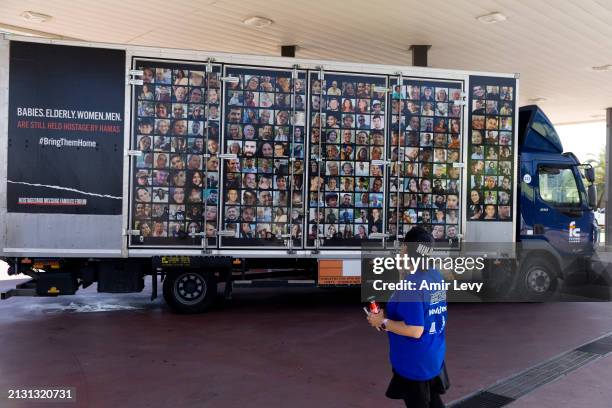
[{"x": 559, "y": 207}]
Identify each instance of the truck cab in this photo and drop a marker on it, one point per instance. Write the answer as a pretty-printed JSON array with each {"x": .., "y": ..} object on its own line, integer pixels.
[{"x": 557, "y": 230}]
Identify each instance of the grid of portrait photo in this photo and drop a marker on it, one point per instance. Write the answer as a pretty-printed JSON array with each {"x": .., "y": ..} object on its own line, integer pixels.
[
  {"x": 346, "y": 173},
  {"x": 176, "y": 178},
  {"x": 424, "y": 181},
  {"x": 263, "y": 184},
  {"x": 491, "y": 150}
]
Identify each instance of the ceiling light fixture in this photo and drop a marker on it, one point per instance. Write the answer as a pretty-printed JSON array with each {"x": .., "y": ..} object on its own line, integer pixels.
[
  {"x": 34, "y": 17},
  {"x": 257, "y": 22},
  {"x": 607, "y": 67},
  {"x": 492, "y": 18},
  {"x": 537, "y": 99}
]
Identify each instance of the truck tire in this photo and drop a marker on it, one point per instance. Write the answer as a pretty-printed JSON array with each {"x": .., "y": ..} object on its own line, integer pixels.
[
  {"x": 190, "y": 291},
  {"x": 537, "y": 281}
]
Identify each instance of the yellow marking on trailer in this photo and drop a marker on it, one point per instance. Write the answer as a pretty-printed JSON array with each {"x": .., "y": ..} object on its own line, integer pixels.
[{"x": 176, "y": 260}]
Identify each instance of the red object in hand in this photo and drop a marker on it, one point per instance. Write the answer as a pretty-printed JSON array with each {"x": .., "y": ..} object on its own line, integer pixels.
[{"x": 374, "y": 307}]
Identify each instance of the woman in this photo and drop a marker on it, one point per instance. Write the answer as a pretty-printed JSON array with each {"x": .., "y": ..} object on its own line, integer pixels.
[
  {"x": 376, "y": 153},
  {"x": 347, "y": 233},
  {"x": 146, "y": 93},
  {"x": 296, "y": 231},
  {"x": 475, "y": 197},
  {"x": 280, "y": 216},
  {"x": 416, "y": 325},
  {"x": 331, "y": 231},
  {"x": 347, "y": 106}
]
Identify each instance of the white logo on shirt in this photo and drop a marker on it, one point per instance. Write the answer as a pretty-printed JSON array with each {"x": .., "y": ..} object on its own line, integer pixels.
[{"x": 432, "y": 329}]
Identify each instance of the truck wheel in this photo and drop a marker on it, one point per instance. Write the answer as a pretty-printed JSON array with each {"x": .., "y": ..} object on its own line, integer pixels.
[
  {"x": 190, "y": 291},
  {"x": 537, "y": 282}
]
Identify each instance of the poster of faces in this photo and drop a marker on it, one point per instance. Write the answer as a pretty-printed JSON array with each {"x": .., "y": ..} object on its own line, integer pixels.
[
  {"x": 346, "y": 169},
  {"x": 491, "y": 153},
  {"x": 425, "y": 148},
  {"x": 264, "y": 131},
  {"x": 176, "y": 177}
]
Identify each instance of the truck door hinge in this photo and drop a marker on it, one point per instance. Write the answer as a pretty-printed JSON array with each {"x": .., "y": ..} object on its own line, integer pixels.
[
  {"x": 382, "y": 89},
  {"x": 321, "y": 73},
  {"x": 230, "y": 79},
  {"x": 380, "y": 162},
  {"x": 136, "y": 153},
  {"x": 400, "y": 79},
  {"x": 209, "y": 67}
]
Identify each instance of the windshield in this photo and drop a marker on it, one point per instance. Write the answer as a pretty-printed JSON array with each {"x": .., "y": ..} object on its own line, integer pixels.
[{"x": 558, "y": 186}]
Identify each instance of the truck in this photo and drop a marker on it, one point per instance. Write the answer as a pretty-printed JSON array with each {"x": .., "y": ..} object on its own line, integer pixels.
[{"x": 198, "y": 168}]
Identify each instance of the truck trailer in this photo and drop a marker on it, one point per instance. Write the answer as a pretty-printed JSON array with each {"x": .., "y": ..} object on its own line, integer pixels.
[{"x": 123, "y": 162}]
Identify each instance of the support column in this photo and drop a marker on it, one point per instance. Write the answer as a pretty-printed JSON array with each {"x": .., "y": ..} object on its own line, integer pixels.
[
  {"x": 419, "y": 55},
  {"x": 288, "y": 51},
  {"x": 608, "y": 192}
]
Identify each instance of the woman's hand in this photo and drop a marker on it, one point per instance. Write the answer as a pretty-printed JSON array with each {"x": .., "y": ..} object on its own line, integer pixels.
[{"x": 376, "y": 319}]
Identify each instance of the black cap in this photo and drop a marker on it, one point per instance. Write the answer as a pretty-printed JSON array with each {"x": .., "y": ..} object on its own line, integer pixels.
[{"x": 418, "y": 234}]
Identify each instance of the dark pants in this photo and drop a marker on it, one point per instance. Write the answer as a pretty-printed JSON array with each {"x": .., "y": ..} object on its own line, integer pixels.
[{"x": 417, "y": 394}]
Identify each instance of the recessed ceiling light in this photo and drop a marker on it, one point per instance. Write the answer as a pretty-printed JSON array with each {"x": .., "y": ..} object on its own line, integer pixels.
[
  {"x": 537, "y": 99},
  {"x": 491, "y": 18},
  {"x": 35, "y": 17},
  {"x": 258, "y": 22},
  {"x": 607, "y": 67}
]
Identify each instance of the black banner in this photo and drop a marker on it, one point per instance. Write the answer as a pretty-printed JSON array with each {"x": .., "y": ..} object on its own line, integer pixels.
[
  {"x": 65, "y": 147},
  {"x": 491, "y": 148}
]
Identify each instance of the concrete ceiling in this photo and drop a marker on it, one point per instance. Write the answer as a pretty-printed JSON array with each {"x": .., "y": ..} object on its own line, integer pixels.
[{"x": 553, "y": 44}]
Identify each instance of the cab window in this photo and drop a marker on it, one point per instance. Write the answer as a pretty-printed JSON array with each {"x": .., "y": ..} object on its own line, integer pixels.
[{"x": 558, "y": 186}]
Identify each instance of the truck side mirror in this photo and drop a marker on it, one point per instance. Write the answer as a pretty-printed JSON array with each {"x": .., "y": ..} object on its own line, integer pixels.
[
  {"x": 592, "y": 194},
  {"x": 589, "y": 173}
]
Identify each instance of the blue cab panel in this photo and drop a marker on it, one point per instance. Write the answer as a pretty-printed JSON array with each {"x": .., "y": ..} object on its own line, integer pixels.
[
  {"x": 536, "y": 132},
  {"x": 553, "y": 206}
]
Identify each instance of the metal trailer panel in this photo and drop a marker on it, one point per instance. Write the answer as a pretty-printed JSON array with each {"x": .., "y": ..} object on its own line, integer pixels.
[
  {"x": 492, "y": 231},
  {"x": 4, "y": 91},
  {"x": 132, "y": 63},
  {"x": 27, "y": 234},
  {"x": 369, "y": 78},
  {"x": 286, "y": 245},
  {"x": 72, "y": 240},
  {"x": 62, "y": 234}
]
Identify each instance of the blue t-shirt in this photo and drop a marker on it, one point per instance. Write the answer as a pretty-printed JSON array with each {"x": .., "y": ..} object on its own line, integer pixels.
[{"x": 419, "y": 359}]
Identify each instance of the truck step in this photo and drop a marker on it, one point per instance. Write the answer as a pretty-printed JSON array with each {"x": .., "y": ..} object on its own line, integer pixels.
[
  {"x": 275, "y": 283},
  {"x": 23, "y": 289}
]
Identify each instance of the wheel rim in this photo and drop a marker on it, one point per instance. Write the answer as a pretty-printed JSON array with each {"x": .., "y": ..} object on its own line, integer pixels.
[
  {"x": 538, "y": 280},
  {"x": 189, "y": 288}
]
